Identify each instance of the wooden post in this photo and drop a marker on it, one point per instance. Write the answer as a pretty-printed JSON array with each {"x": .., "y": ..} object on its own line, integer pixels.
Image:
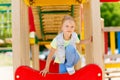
[
  {"x": 20, "y": 34},
  {"x": 102, "y": 38},
  {"x": 102, "y": 48},
  {"x": 93, "y": 28},
  {"x": 35, "y": 56}
]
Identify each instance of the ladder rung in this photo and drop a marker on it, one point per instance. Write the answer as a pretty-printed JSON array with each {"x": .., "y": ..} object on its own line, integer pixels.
[
  {"x": 112, "y": 56},
  {"x": 118, "y": 71},
  {"x": 112, "y": 77}
]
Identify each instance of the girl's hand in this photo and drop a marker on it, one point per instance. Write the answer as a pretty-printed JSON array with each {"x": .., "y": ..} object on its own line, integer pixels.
[
  {"x": 91, "y": 39},
  {"x": 44, "y": 71},
  {"x": 86, "y": 41}
]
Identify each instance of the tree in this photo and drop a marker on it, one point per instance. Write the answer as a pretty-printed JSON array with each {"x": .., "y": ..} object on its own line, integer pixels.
[
  {"x": 5, "y": 1},
  {"x": 5, "y": 22},
  {"x": 110, "y": 12}
]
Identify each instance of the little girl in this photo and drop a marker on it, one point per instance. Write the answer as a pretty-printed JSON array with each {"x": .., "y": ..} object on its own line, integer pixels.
[{"x": 64, "y": 48}]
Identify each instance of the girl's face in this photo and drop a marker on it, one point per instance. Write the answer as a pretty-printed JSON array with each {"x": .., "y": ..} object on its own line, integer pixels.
[{"x": 68, "y": 27}]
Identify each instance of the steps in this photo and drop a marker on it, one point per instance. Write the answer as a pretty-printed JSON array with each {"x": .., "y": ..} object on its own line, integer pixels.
[{"x": 48, "y": 20}]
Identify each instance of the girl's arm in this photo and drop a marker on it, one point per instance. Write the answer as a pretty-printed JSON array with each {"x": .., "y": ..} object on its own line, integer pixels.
[
  {"x": 86, "y": 41},
  {"x": 49, "y": 59}
]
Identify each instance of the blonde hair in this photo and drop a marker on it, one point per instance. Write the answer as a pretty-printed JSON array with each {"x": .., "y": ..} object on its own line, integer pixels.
[{"x": 66, "y": 17}]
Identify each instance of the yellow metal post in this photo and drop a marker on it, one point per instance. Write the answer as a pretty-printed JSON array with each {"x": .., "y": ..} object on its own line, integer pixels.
[{"x": 112, "y": 42}]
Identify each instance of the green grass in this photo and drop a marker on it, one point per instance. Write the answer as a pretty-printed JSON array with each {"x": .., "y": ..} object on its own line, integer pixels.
[{"x": 5, "y": 60}]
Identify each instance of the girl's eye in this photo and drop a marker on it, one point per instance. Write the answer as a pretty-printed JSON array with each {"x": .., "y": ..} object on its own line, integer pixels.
[
  {"x": 67, "y": 26},
  {"x": 72, "y": 26}
]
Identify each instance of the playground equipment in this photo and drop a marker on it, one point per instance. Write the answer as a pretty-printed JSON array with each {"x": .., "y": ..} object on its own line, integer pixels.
[
  {"x": 92, "y": 27},
  {"x": 27, "y": 73},
  {"x": 112, "y": 51},
  {"x": 112, "y": 54}
]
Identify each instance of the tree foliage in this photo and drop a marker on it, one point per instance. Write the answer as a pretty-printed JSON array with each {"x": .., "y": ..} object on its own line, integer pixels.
[
  {"x": 110, "y": 12},
  {"x": 5, "y": 22},
  {"x": 5, "y": 1}
]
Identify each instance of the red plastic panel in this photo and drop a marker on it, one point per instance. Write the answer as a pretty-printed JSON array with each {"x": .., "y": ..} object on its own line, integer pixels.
[
  {"x": 31, "y": 20},
  {"x": 109, "y": 0},
  {"x": 54, "y": 67},
  {"x": 106, "y": 42},
  {"x": 89, "y": 72}
]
